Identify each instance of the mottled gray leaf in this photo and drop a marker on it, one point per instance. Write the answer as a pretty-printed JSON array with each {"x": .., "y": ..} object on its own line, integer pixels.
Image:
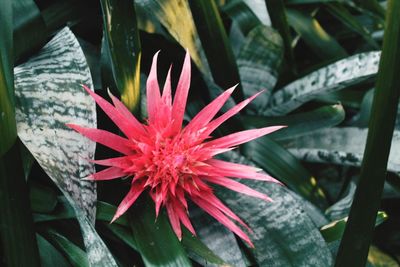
[
  {"x": 284, "y": 234},
  {"x": 260, "y": 9},
  {"x": 341, "y": 208},
  {"x": 331, "y": 78},
  {"x": 217, "y": 237},
  {"x": 344, "y": 146},
  {"x": 258, "y": 62},
  {"x": 49, "y": 95}
]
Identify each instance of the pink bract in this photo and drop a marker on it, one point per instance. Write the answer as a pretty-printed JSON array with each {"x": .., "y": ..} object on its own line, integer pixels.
[{"x": 175, "y": 162}]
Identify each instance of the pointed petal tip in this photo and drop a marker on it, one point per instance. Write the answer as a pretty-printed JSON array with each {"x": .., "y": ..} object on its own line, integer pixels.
[
  {"x": 88, "y": 178},
  {"x": 155, "y": 57},
  {"x": 116, "y": 216},
  {"x": 109, "y": 93}
]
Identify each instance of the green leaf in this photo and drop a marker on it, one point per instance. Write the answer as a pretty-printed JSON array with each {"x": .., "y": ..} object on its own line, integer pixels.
[
  {"x": 334, "y": 230},
  {"x": 299, "y": 124},
  {"x": 342, "y": 14},
  {"x": 58, "y": 72},
  {"x": 241, "y": 14},
  {"x": 154, "y": 238},
  {"x": 323, "y": 45},
  {"x": 343, "y": 146},
  {"x": 30, "y": 31},
  {"x": 75, "y": 255},
  {"x": 49, "y": 255},
  {"x": 62, "y": 211},
  {"x": 200, "y": 251},
  {"x": 16, "y": 224},
  {"x": 216, "y": 45},
  {"x": 378, "y": 258},
  {"x": 348, "y": 98},
  {"x": 284, "y": 235},
  {"x": 122, "y": 41},
  {"x": 177, "y": 19},
  {"x": 259, "y": 59},
  {"x": 8, "y": 133},
  {"x": 259, "y": 52},
  {"x": 365, "y": 110},
  {"x": 106, "y": 212},
  {"x": 277, "y": 11},
  {"x": 42, "y": 198},
  {"x": 274, "y": 159},
  {"x": 333, "y": 77},
  {"x": 358, "y": 234},
  {"x": 123, "y": 234},
  {"x": 300, "y": 2},
  {"x": 217, "y": 237}
]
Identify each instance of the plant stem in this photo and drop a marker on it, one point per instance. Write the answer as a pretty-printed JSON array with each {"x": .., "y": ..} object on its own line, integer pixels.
[{"x": 353, "y": 250}]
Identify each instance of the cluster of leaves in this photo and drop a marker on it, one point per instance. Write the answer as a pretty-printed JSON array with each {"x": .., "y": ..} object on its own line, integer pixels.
[{"x": 318, "y": 61}]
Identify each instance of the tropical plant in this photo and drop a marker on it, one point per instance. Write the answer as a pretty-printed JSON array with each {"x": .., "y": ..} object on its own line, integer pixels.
[{"x": 320, "y": 64}]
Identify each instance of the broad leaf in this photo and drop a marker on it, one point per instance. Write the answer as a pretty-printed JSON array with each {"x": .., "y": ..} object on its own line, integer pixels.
[
  {"x": 300, "y": 123},
  {"x": 49, "y": 255},
  {"x": 258, "y": 60},
  {"x": 334, "y": 231},
  {"x": 331, "y": 78},
  {"x": 154, "y": 238},
  {"x": 30, "y": 31},
  {"x": 216, "y": 45},
  {"x": 49, "y": 95},
  {"x": 177, "y": 19},
  {"x": 8, "y": 132},
  {"x": 283, "y": 235},
  {"x": 277, "y": 161},
  {"x": 75, "y": 254},
  {"x": 259, "y": 53},
  {"x": 199, "y": 251},
  {"x": 122, "y": 41},
  {"x": 343, "y": 146},
  {"x": 323, "y": 45},
  {"x": 217, "y": 237}
]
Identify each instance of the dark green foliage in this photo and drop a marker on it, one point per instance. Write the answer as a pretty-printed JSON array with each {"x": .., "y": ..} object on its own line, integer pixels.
[
  {"x": 359, "y": 230},
  {"x": 229, "y": 42}
]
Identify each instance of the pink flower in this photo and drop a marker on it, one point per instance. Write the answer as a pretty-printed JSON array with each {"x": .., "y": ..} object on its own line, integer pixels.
[{"x": 175, "y": 162}]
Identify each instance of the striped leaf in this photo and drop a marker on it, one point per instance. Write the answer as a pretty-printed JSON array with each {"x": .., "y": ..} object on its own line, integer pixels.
[
  {"x": 334, "y": 77},
  {"x": 217, "y": 237},
  {"x": 343, "y": 146},
  {"x": 49, "y": 95},
  {"x": 259, "y": 53},
  {"x": 284, "y": 235}
]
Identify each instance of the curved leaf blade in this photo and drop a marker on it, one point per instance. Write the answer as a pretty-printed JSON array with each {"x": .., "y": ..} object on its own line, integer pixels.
[
  {"x": 57, "y": 72},
  {"x": 284, "y": 235},
  {"x": 343, "y": 146},
  {"x": 8, "y": 130},
  {"x": 324, "y": 45},
  {"x": 274, "y": 159},
  {"x": 331, "y": 78},
  {"x": 123, "y": 43},
  {"x": 154, "y": 238},
  {"x": 300, "y": 123}
]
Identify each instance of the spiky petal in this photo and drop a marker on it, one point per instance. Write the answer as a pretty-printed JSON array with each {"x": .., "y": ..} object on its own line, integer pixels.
[{"x": 172, "y": 162}]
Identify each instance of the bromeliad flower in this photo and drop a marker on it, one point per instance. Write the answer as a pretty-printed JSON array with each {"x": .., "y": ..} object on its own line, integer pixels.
[{"x": 173, "y": 162}]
